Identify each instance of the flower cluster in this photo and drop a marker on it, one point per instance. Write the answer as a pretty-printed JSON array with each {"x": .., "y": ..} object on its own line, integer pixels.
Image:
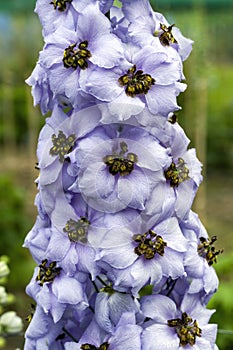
[{"x": 123, "y": 261}]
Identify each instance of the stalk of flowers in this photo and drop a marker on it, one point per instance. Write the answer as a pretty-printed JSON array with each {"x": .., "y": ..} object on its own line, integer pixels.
[{"x": 123, "y": 261}]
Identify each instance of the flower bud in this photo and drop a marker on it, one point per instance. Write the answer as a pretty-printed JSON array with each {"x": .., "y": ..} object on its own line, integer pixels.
[
  {"x": 4, "y": 269},
  {"x": 10, "y": 323},
  {"x": 3, "y": 295}
]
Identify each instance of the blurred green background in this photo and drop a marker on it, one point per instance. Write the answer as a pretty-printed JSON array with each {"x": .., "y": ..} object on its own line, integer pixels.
[{"x": 207, "y": 117}]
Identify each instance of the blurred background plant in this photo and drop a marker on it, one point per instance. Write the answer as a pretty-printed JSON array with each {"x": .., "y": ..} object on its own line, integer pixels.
[
  {"x": 10, "y": 323},
  {"x": 207, "y": 117}
]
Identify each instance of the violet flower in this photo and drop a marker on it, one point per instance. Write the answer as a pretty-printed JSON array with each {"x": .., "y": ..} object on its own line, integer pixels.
[
  {"x": 145, "y": 78},
  {"x": 151, "y": 28},
  {"x": 126, "y": 334},
  {"x": 175, "y": 328},
  {"x": 70, "y": 52},
  {"x": 64, "y": 12},
  {"x": 54, "y": 291},
  {"x": 123, "y": 170},
  {"x": 134, "y": 259}
]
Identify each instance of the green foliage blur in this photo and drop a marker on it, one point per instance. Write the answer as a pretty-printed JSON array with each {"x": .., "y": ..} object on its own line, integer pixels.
[
  {"x": 207, "y": 117},
  {"x": 13, "y": 226}
]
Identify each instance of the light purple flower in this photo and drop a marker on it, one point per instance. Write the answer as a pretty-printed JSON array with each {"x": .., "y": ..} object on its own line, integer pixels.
[
  {"x": 116, "y": 170},
  {"x": 197, "y": 263},
  {"x": 151, "y": 28},
  {"x": 69, "y": 244},
  {"x": 38, "y": 237},
  {"x": 55, "y": 291},
  {"x": 56, "y": 13},
  {"x": 125, "y": 335},
  {"x": 60, "y": 125},
  {"x": 69, "y": 53},
  {"x": 183, "y": 176},
  {"x": 43, "y": 332},
  {"x": 170, "y": 325},
  {"x": 110, "y": 305},
  {"x": 145, "y": 78},
  {"x": 134, "y": 259},
  {"x": 41, "y": 92}
]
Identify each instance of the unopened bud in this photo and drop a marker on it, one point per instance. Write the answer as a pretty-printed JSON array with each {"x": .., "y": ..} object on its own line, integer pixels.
[
  {"x": 4, "y": 269},
  {"x": 10, "y": 323}
]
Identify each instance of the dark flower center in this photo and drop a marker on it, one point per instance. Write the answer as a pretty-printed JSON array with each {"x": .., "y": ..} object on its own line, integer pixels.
[
  {"x": 186, "y": 329},
  {"x": 136, "y": 82},
  {"x": 76, "y": 57},
  {"x": 121, "y": 162},
  {"x": 173, "y": 119},
  {"x": 207, "y": 251},
  {"x": 177, "y": 173},
  {"x": 149, "y": 244},
  {"x": 62, "y": 145},
  {"x": 166, "y": 37},
  {"x": 60, "y": 5},
  {"x": 30, "y": 316},
  {"x": 77, "y": 230},
  {"x": 47, "y": 272},
  {"x": 87, "y": 346}
]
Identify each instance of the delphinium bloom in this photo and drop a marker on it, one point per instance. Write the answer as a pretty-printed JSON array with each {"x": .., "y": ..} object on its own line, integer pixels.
[
  {"x": 39, "y": 236},
  {"x": 122, "y": 261},
  {"x": 59, "y": 136},
  {"x": 44, "y": 333},
  {"x": 179, "y": 327},
  {"x": 158, "y": 252},
  {"x": 125, "y": 335},
  {"x": 41, "y": 91},
  {"x": 147, "y": 27},
  {"x": 55, "y": 13},
  {"x": 144, "y": 78},
  {"x": 182, "y": 177},
  {"x": 70, "y": 52},
  {"x": 119, "y": 166},
  {"x": 200, "y": 258},
  {"x": 55, "y": 291}
]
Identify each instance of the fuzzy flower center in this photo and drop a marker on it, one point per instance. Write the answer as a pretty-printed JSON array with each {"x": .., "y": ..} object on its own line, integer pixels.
[
  {"x": 207, "y": 251},
  {"x": 60, "y": 5},
  {"x": 76, "y": 56},
  {"x": 62, "y": 145},
  {"x": 103, "y": 346},
  {"x": 166, "y": 37},
  {"x": 77, "y": 230},
  {"x": 177, "y": 173},
  {"x": 121, "y": 163},
  {"x": 136, "y": 82},
  {"x": 186, "y": 329},
  {"x": 47, "y": 272},
  {"x": 149, "y": 244}
]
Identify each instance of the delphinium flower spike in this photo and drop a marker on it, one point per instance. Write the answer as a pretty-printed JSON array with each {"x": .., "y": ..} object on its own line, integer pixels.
[{"x": 122, "y": 260}]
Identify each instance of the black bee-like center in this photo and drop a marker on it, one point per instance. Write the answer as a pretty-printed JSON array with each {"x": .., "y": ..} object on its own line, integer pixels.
[
  {"x": 60, "y": 5},
  {"x": 76, "y": 56},
  {"x": 177, "y": 173},
  {"x": 186, "y": 329},
  {"x": 121, "y": 163},
  {"x": 136, "y": 82}
]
